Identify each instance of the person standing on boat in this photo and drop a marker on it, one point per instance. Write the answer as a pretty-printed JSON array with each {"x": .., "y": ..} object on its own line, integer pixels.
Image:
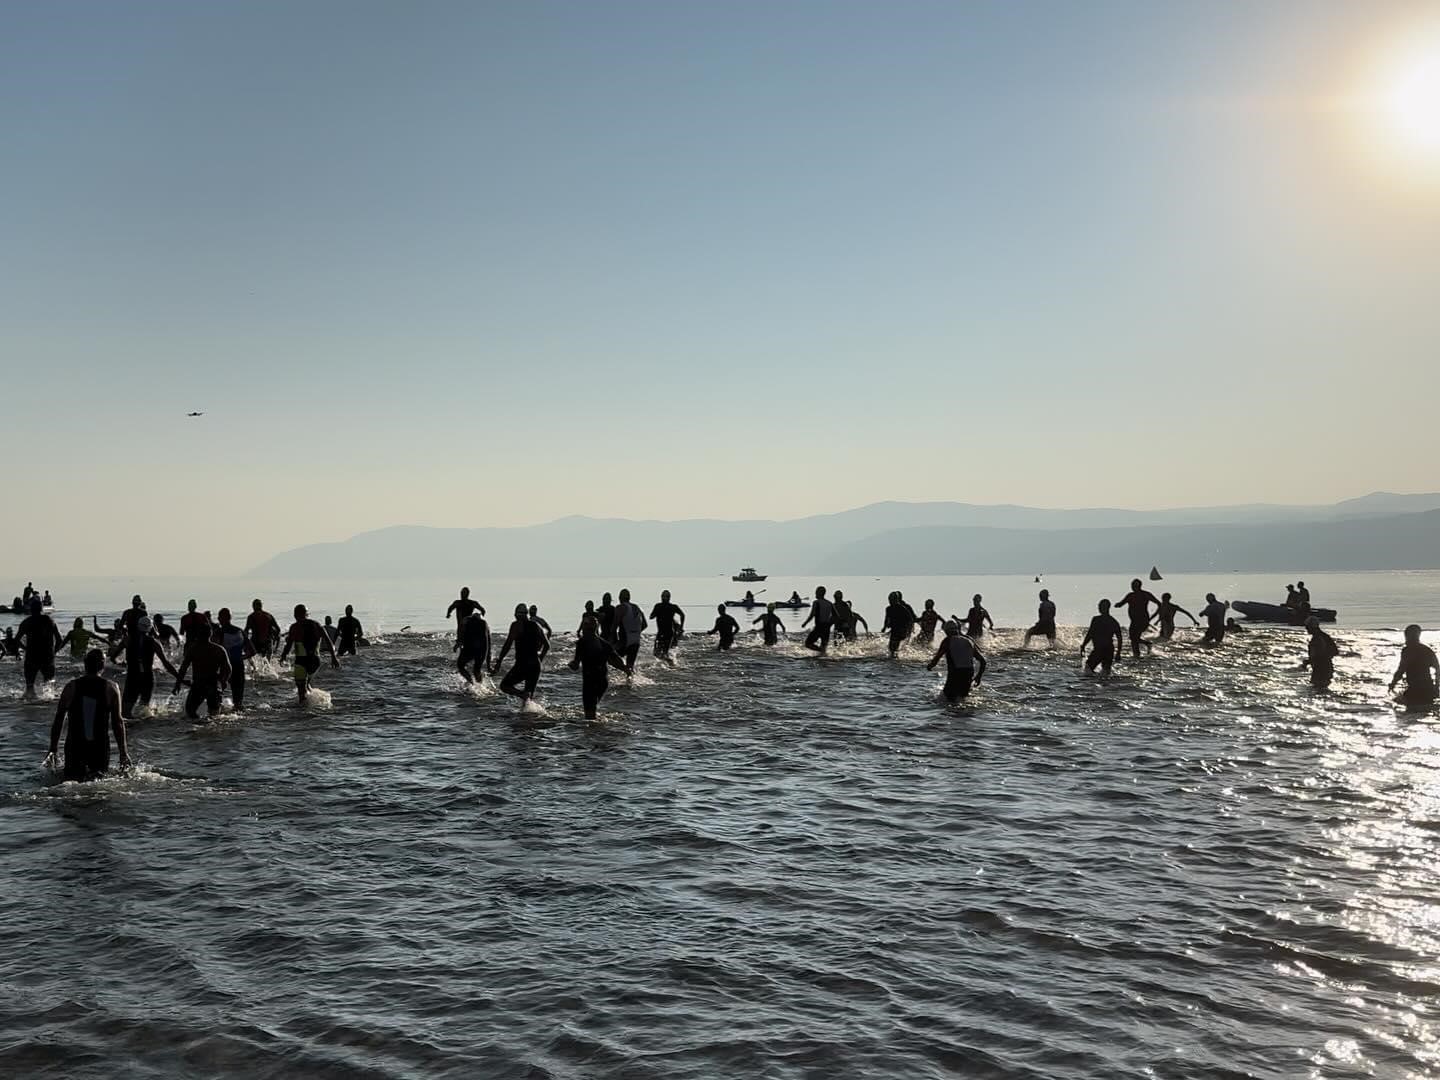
[
  {"x": 1045, "y": 621},
  {"x": 977, "y": 619},
  {"x": 1214, "y": 615},
  {"x": 1166, "y": 616},
  {"x": 770, "y": 625},
  {"x": 822, "y": 614},
  {"x": 1320, "y": 655},
  {"x": 1137, "y": 601},
  {"x": 1417, "y": 661},
  {"x": 630, "y": 622}
]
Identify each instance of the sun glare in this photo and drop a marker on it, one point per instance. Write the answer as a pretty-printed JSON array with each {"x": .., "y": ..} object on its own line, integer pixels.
[{"x": 1407, "y": 97}]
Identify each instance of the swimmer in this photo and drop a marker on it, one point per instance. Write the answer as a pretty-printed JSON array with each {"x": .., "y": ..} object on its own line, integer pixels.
[
  {"x": 1320, "y": 654},
  {"x": 846, "y": 617},
  {"x": 822, "y": 614},
  {"x": 209, "y": 664},
  {"x": 261, "y": 629},
  {"x": 190, "y": 618},
  {"x": 473, "y": 646},
  {"x": 142, "y": 649},
  {"x": 164, "y": 632},
  {"x": 630, "y": 624},
  {"x": 1165, "y": 616},
  {"x": 929, "y": 620},
  {"x": 78, "y": 639},
  {"x": 1214, "y": 614},
  {"x": 133, "y": 614},
  {"x": 538, "y": 621},
  {"x": 40, "y": 639},
  {"x": 1233, "y": 627},
  {"x": 725, "y": 626},
  {"x": 961, "y": 655},
  {"x": 605, "y": 615},
  {"x": 1045, "y": 621},
  {"x": 663, "y": 615},
  {"x": 306, "y": 638},
  {"x": 10, "y": 644},
  {"x": 1137, "y": 601},
  {"x": 593, "y": 654},
  {"x": 350, "y": 631},
  {"x": 232, "y": 639},
  {"x": 1417, "y": 660},
  {"x": 900, "y": 621},
  {"x": 977, "y": 619},
  {"x": 88, "y": 711},
  {"x": 530, "y": 645},
  {"x": 330, "y": 631},
  {"x": 770, "y": 625},
  {"x": 461, "y": 609},
  {"x": 1106, "y": 637},
  {"x": 588, "y": 613}
]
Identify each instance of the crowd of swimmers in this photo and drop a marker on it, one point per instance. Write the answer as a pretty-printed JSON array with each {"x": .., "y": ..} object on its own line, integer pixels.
[{"x": 214, "y": 652}]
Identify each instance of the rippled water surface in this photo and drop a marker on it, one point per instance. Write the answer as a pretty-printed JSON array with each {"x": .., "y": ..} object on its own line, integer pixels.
[{"x": 757, "y": 864}]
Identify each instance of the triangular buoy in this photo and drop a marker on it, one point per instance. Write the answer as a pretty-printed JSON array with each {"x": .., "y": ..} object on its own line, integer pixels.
[{"x": 1155, "y": 574}]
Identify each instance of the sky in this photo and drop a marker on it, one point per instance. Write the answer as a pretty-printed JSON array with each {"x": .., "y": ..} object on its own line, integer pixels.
[{"x": 467, "y": 264}]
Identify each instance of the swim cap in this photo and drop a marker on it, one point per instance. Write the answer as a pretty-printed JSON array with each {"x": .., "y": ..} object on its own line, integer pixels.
[
  {"x": 951, "y": 626},
  {"x": 521, "y": 609},
  {"x": 1312, "y": 623},
  {"x": 142, "y": 624}
]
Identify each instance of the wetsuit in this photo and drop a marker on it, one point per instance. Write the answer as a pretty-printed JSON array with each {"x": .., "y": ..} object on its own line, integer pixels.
[
  {"x": 605, "y": 616},
  {"x": 304, "y": 638},
  {"x": 1166, "y": 614},
  {"x": 770, "y": 625},
  {"x": 350, "y": 632},
  {"x": 140, "y": 653},
  {"x": 462, "y": 609},
  {"x": 87, "y": 729},
  {"x": 530, "y": 645},
  {"x": 975, "y": 622},
  {"x": 10, "y": 645},
  {"x": 1214, "y": 616},
  {"x": 165, "y": 633},
  {"x": 1045, "y": 621},
  {"x": 1416, "y": 662},
  {"x": 79, "y": 642},
  {"x": 262, "y": 629},
  {"x": 631, "y": 624},
  {"x": 822, "y": 612},
  {"x": 844, "y": 620},
  {"x": 209, "y": 664},
  {"x": 1138, "y": 604},
  {"x": 1104, "y": 634},
  {"x": 960, "y": 659},
  {"x": 662, "y": 617},
  {"x": 900, "y": 617},
  {"x": 474, "y": 644},
  {"x": 929, "y": 619},
  {"x": 593, "y": 655},
  {"x": 1322, "y": 651},
  {"x": 727, "y": 628},
  {"x": 232, "y": 639},
  {"x": 41, "y": 640}
]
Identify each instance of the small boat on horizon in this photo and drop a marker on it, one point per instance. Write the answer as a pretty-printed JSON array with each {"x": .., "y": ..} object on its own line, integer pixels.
[{"x": 748, "y": 574}]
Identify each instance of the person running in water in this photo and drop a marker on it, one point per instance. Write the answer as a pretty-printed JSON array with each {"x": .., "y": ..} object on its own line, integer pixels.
[
  {"x": 142, "y": 649},
  {"x": 330, "y": 631},
  {"x": 1106, "y": 637},
  {"x": 588, "y": 613},
  {"x": 663, "y": 615},
  {"x": 232, "y": 639},
  {"x": 262, "y": 630},
  {"x": 977, "y": 619},
  {"x": 209, "y": 665},
  {"x": 1417, "y": 660},
  {"x": 929, "y": 619},
  {"x": 538, "y": 621},
  {"x": 846, "y": 617},
  {"x": 164, "y": 632},
  {"x": 1320, "y": 655},
  {"x": 10, "y": 644},
  {"x": 1045, "y": 620},
  {"x": 593, "y": 654},
  {"x": 770, "y": 625},
  {"x": 350, "y": 631},
  {"x": 40, "y": 640},
  {"x": 461, "y": 609},
  {"x": 78, "y": 639},
  {"x": 725, "y": 626},
  {"x": 88, "y": 711},
  {"x": 1165, "y": 616},
  {"x": 605, "y": 615},
  {"x": 306, "y": 638},
  {"x": 630, "y": 621},
  {"x": 822, "y": 614},
  {"x": 191, "y": 617},
  {"x": 531, "y": 645},
  {"x": 1137, "y": 601},
  {"x": 900, "y": 621},
  {"x": 961, "y": 655},
  {"x": 473, "y": 647},
  {"x": 1214, "y": 615}
]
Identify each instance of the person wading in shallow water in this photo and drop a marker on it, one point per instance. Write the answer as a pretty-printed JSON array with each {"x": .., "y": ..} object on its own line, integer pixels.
[
  {"x": 306, "y": 639},
  {"x": 1106, "y": 637},
  {"x": 530, "y": 645},
  {"x": 1417, "y": 661},
  {"x": 1045, "y": 623},
  {"x": 592, "y": 655},
  {"x": 961, "y": 655},
  {"x": 88, "y": 710}
]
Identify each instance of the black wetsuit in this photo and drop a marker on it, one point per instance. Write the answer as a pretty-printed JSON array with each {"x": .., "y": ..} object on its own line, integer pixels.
[
  {"x": 605, "y": 616},
  {"x": 350, "y": 632},
  {"x": 1322, "y": 652},
  {"x": 960, "y": 658},
  {"x": 304, "y": 641},
  {"x": 928, "y": 620},
  {"x": 1168, "y": 610},
  {"x": 727, "y": 628},
  {"x": 1138, "y": 604},
  {"x": 87, "y": 729},
  {"x": 207, "y": 659},
  {"x": 462, "y": 610},
  {"x": 263, "y": 630},
  {"x": 595, "y": 655},
  {"x": 140, "y": 652},
  {"x": 662, "y": 617},
  {"x": 232, "y": 639},
  {"x": 529, "y": 643},
  {"x": 1417, "y": 661},
  {"x": 1045, "y": 622},
  {"x": 629, "y": 624},
  {"x": 165, "y": 633},
  {"x": 474, "y": 643},
  {"x": 900, "y": 617},
  {"x": 1214, "y": 616},
  {"x": 41, "y": 640},
  {"x": 844, "y": 621},
  {"x": 770, "y": 627},
  {"x": 823, "y": 613},
  {"x": 1104, "y": 634},
  {"x": 975, "y": 622}
]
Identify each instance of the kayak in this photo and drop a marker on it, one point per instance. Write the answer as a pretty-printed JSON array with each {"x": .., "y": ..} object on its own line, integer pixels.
[
  {"x": 1279, "y": 613},
  {"x": 746, "y": 603},
  {"x": 792, "y": 604}
]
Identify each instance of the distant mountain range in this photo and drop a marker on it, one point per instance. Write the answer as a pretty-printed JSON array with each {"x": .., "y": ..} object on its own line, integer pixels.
[{"x": 1381, "y": 531}]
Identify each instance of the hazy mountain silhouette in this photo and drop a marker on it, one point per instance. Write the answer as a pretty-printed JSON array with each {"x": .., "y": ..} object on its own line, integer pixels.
[{"x": 894, "y": 537}]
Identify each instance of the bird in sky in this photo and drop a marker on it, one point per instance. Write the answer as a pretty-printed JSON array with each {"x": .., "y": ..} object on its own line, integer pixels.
[{"x": 194, "y": 414}]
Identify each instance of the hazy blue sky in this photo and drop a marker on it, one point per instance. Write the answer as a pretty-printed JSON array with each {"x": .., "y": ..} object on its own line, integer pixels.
[{"x": 471, "y": 263}]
